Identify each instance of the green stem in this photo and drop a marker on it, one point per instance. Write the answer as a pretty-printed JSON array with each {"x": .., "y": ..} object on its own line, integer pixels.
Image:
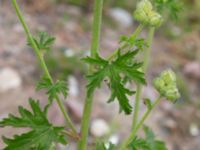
[
  {"x": 42, "y": 62},
  {"x": 98, "y": 6},
  {"x": 148, "y": 51},
  {"x": 123, "y": 46},
  {"x": 138, "y": 126},
  {"x": 139, "y": 86}
]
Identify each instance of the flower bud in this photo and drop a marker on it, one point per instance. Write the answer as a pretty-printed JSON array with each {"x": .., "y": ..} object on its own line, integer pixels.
[
  {"x": 168, "y": 76},
  {"x": 166, "y": 85},
  {"x": 141, "y": 16},
  {"x": 173, "y": 94},
  {"x": 158, "y": 84},
  {"x": 145, "y": 5},
  {"x": 155, "y": 19},
  {"x": 146, "y": 15}
]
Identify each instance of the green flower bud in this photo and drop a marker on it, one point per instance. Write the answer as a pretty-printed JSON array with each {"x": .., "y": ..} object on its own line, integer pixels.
[
  {"x": 145, "y": 5},
  {"x": 155, "y": 19},
  {"x": 168, "y": 76},
  {"x": 158, "y": 84},
  {"x": 141, "y": 16},
  {"x": 166, "y": 85},
  {"x": 172, "y": 94},
  {"x": 145, "y": 14}
]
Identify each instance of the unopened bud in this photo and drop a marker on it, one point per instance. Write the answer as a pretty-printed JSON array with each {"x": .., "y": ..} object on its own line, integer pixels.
[
  {"x": 155, "y": 19},
  {"x": 172, "y": 94},
  {"x": 145, "y": 5},
  {"x": 166, "y": 85},
  {"x": 146, "y": 15},
  {"x": 159, "y": 83},
  {"x": 168, "y": 76}
]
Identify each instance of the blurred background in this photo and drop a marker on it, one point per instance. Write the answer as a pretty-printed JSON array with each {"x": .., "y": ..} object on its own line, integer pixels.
[{"x": 176, "y": 45}]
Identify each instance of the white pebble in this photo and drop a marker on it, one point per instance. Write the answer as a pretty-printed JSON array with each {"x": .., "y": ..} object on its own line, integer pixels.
[
  {"x": 114, "y": 139},
  {"x": 99, "y": 128},
  {"x": 9, "y": 79},
  {"x": 73, "y": 86},
  {"x": 69, "y": 52},
  {"x": 121, "y": 16},
  {"x": 194, "y": 129}
]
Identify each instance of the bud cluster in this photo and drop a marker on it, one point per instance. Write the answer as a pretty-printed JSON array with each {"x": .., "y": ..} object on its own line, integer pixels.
[
  {"x": 145, "y": 14},
  {"x": 166, "y": 85}
]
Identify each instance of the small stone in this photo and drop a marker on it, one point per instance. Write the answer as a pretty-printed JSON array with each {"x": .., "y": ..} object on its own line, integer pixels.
[
  {"x": 170, "y": 123},
  {"x": 194, "y": 129},
  {"x": 121, "y": 16},
  {"x": 99, "y": 128},
  {"x": 192, "y": 69},
  {"x": 69, "y": 52},
  {"x": 114, "y": 139},
  {"x": 9, "y": 79},
  {"x": 73, "y": 86}
]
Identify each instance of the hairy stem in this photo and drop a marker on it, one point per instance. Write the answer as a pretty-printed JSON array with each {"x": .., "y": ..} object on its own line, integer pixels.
[
  {"x": 139, "y": 125},
  {"x": 98, "y": 6},
  {"x": 139, "y": 86},
  {"x": 42, "y": 63}
]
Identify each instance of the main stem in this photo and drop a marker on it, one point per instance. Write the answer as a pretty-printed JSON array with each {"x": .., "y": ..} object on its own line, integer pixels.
[
  {"x": 42, "y": 63},
  {"x": 139, "y": 86},
  {"x": 98, "y": 6},
  {"x": 138, "y": 126}
]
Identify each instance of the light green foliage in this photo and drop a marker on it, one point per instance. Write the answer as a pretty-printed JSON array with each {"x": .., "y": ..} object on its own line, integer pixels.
[
  {"x": 148, "y": 143},
  {"x": 166, "y": 85},
  {"x": 115, "y": 71},
  {"x": 171, "y": 8},
  {"x": 146, "y": 15},
  {"x": 132, "y": 42},
  {"x": 43, "y": 41},
  {"x": 60, "y": 87},
  {"x": 42, "y": 135}
]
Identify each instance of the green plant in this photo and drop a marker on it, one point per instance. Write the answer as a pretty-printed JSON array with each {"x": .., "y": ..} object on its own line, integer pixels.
[{"x": 120, "y": 67}]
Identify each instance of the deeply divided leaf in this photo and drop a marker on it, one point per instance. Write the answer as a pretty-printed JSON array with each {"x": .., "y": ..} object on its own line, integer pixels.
[
  {"x": 171, "y": 7},
  {"x": 60, "y": 87},
  {"x": 42, "y": 134},
  {"x": 116, "y": 71},
  {"x": 43, "y": 41}
]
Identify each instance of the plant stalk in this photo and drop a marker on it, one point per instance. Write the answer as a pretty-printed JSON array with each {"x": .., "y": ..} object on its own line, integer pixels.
[
  {"x": 139, "y": 86},
  {"x": 139, "y": 125},
  {"x": 42, "y": 63},
  {"x": 96, "y": 31}
]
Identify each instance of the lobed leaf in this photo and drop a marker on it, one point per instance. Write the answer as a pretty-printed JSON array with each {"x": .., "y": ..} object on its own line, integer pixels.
[
  {"x": 43, "y": 41},
  {"x": 42, "y": 134},
  {"x": 60, "y": 87},
  {"x": 116, "y": 71},
  {"x": 148, "y": 143}
]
